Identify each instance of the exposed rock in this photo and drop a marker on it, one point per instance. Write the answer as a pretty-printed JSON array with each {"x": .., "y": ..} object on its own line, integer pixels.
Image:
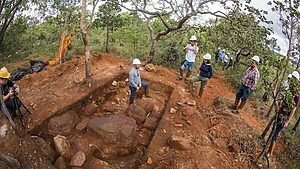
[
  {"x": 172, "y": 111},
  {"x": 138, "y": 113},
  {"x": 63, "y": 124},
  {"x": 179, "y": 143},
  {"x": 95, "y": 163},
  {"x": 178, "y": 125},
  {"x": 151, "y": 123},
  {"x": 60, "y": 163},
  {"x": 122, "y": 84},
  {"x": 114, "y": 129},
  {"x": 45, "y": 149},
  {"x": 150, "y": 68},
  {"x": 61, "y": 144},
  {"x": 90, "y": 109},
  {"x": 149, "y": 161},
  {"x": 189, "y": 111},
  {"x": 3, "y": 130},
  {"x": 109, "y": 106},
  {"x": 82, "y": 125},
  {"x": 114, "y": 83},
  {"x": 78, "y": 159},
  {"x": 146, "y": 104},
  {"x": 145, "y": 136},
  {"x": 191, "y": 102}
]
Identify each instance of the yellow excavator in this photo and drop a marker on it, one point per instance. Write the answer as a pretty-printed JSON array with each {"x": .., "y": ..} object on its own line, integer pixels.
[{"x": 65, "y": 40}]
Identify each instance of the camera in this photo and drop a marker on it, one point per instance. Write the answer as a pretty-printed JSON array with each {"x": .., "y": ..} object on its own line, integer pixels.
[{"x": 13, "y": 89}]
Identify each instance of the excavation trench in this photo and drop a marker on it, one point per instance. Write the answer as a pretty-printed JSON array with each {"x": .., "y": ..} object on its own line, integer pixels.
[{"x": 104, "y": 127}]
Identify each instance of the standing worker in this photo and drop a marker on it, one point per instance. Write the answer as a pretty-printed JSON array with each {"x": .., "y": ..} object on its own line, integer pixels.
[
  {"x": 286, "y": 110},
  {"x": 135, "y": 81},
  {"x": 191, "y": 50},
  {"x": 217, "y": 52},
  {"x": 249, "y": 83},
  {"x": 205, "y": 74}
]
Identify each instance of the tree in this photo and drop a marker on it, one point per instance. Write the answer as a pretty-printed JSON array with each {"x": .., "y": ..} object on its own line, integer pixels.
[
  {"x": 163, "y": 11},
  {"x": 84, "y": 27},
  {"x": 108, "y": 17},
  {"x": 8, "y": 11}
]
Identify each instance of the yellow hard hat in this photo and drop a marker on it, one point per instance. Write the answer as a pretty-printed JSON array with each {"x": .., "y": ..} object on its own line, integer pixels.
[{"x": 4, "y": 73}]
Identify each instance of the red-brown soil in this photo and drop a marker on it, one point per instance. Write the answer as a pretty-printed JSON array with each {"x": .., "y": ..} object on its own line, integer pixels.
[{"x": 218, "y": 138}]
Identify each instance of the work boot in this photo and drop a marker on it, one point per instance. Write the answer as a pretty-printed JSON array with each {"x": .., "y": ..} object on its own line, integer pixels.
[
  {"x": 242, "y": 104},
  {"x": 236, "y": 104},
  {"x": 147, "y": 93},
  {"x": 181, "y": 75},
  {"x": 131, "y": 100}
]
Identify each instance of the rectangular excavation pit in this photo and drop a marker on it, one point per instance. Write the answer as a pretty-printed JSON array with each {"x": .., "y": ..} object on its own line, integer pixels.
[{"x": 101, "y": 124}]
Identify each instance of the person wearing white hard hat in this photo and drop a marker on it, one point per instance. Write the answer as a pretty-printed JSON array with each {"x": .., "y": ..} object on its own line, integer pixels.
[
  {"x": 190, "y": 56},
  {"x": 249, "y": 82},
  {"x": 286, "y": 110},
  {"x": 205, "y": 74},
  {"x": 9, "y": 88},
  {"x": 135, "y": 81}
]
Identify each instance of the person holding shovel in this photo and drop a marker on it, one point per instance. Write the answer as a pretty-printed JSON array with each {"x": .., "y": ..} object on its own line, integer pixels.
[{"x": 205, "y": 74}]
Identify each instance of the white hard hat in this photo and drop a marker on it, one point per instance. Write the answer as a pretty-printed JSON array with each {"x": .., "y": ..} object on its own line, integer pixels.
[
  {"x": 290, "y": 75},
  {"x": 223, "y": 50},
  {"x": 136, "y": 61},
  {"x": 255, "y": 58},
  {"x": 193, "y": 37},
  {"x": 219, "y": 48},
  {"x": 207, "y": 56},
  {"x": 296, "y": 75}
]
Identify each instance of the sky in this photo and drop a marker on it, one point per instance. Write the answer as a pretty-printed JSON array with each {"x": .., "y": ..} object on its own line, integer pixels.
[{"x": 281, "y": 40}]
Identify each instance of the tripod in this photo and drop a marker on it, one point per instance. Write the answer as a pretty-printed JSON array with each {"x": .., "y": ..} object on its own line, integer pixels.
[{"x": 18, "y": 104}]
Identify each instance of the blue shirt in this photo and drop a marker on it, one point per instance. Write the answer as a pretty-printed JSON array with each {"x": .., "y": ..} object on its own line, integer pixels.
[
  {"x": 206, "y": 71},
  {"x": 134, "y": 77}
]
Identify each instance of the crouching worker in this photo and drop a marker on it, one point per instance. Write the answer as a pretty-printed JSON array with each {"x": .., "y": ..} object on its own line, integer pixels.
[
  {"x": 135, "y": 82},
  {"x": 8, "y": 91},
  {"x": 205, "y": 74}
]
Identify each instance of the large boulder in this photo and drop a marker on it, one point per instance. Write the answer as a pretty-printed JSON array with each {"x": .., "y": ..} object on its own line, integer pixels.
[
  {"x": 189, "y": 111},
  {"x": 138, "y": 113},
  {"x": 63, "y": 124},
  {"x": 113, "y": 129}
]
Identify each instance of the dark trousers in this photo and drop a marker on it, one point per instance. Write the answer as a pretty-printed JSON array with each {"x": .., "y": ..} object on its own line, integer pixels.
[
  {"x": 11, "y": 107},
  {"x": 133, "y": 90}
]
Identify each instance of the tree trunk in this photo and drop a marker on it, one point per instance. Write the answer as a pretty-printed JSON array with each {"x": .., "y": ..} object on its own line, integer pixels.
[
  {"x": 153, "y": 49},
  {"x": 85, "y": 38},
  {"x": 107, "y": 37},
  {"x": 9, "y": 161}
]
